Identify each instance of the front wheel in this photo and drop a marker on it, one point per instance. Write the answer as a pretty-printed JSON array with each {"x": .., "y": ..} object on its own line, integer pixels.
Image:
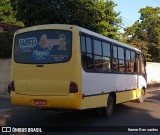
[
  {"x": 141, "y": 98},
  {"x": 108, "y": 110}
]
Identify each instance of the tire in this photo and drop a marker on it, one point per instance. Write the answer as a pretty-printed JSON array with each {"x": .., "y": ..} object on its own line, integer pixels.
[
  {"x": 108, "y": 110},
  {"x": 141, "y": 98}
]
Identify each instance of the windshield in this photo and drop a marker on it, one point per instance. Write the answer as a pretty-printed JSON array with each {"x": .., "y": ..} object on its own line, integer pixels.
[{"x": 43, "y": 47}]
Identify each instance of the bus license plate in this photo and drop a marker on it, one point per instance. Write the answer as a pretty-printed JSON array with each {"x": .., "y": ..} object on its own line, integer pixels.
[{"x": 40, "y": 102}]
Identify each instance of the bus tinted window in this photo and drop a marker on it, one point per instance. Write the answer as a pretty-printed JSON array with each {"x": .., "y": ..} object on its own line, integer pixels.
[
  {"x": 88, "y": 45},
  {"x": 114, "y": 52},
  {"x": 115, "y": 64},
  {"x": 89, "y": 64},
  {"x": 132, "y": 56},
  {"x": 130, "y": 61},
  {"x": 87, "y": 59},
  {"x": 106, "y": 49},
  {"x": 106, "y": 57},
  {"x": 106, "y": 64},
  {"x": 121, "y": 66},
  {"x": 98, "y": 63},
  {"x": 121, "y": 59},
  {"x": 83, "y": 44},
  {"x": 128, "y": 56},
  {"x": 97, "y": 47},
  {"x": 120, "y": 53},
  {"x": 43, "y": 47}
]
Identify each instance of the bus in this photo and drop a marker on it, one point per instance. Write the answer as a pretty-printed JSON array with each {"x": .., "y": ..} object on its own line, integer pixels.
[{"x": 63, "y": 66}]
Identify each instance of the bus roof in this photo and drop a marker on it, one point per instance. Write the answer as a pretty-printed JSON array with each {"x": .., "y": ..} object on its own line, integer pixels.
[{"x": 47, "y": 26}]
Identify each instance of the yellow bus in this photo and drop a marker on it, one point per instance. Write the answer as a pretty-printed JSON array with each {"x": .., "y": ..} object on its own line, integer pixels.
[{"x": 69, "y": 67}]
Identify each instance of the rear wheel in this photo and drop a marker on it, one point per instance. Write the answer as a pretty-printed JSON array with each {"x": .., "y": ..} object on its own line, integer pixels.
[
  {"x": 141, "y": 98},
  {"x": 108, "y": 110}
]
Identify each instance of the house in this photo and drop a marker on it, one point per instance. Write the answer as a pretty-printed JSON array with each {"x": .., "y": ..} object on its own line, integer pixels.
[{"x": 8, "y": 27}]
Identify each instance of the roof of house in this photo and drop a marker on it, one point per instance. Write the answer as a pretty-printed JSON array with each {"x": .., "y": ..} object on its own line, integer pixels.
[{"x": 8, "y": 27}]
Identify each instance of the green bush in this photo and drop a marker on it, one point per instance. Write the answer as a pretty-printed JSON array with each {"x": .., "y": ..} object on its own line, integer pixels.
[{"x": 6, "y": 39}]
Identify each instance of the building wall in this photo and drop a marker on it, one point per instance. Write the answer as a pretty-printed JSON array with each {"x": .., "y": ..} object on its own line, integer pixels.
[
  {"x": 5, "y": 75},
  {"x": 153, "y": 74}
]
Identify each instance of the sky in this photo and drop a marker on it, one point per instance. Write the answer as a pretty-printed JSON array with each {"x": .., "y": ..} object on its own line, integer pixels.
[{"x": 129, "y": 9}]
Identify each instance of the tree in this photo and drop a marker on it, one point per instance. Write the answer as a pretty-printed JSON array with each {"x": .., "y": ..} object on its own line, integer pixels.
[
  {"x": 7, "y": 14},
  {"x": 96, "y": 15},
  {"x": 146, "y": 31}
]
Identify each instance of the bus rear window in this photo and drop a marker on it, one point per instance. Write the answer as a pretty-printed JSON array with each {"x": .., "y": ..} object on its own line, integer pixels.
[{"x": 43, "y": 47}]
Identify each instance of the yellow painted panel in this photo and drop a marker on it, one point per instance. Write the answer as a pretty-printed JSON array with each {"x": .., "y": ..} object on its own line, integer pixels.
[
  {"x": 94, "y": 101},
  {"x": 51, "y": 81},
  {"x": 42, "y": 87},
  {"x": 69, "y": 102},
  {"x": 127, "y": 95}
]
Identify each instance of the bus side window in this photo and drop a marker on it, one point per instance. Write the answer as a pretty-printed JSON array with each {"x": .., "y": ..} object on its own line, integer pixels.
[
  {"x": 98, "y": 55},
  {"x": 83, "y": 44},
  {"x": 83, "y": 51},
  {"x": 133, "y": 62},
  {"x": 128, "y": 58},
  {"x": 141, "y": 65},
  {"x": 86, "y": 53},
  {"x": 121, "y": 59},
  {"x": 106, "y": 56}
]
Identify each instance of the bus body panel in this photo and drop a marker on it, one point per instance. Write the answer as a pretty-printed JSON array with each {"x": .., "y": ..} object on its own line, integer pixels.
[
  {"x": 70, "y": 101},
  {"x": 94, "y": 101},
  {"x": 42, "y": 81},
  {"x": 49, "y": 82},
  {"x": 125, "y": 96},
  {"x": 142, "y": 82},
  {"x": 100, "y": 100},
  {"x": 42, "y": 87},
  {"x": 120, "y": 82},
  {"x": 93, "y": 89}
]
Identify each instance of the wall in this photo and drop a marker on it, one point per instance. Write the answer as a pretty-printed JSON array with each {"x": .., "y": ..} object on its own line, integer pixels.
[
  {"x": 5, "y": 72},
  {"x": 153, "y": 74}
]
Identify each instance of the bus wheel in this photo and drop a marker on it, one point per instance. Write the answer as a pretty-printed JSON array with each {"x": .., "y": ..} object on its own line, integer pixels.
[
  {"x": 108, "y": 110},
  {"x": 141, "y": 98}
]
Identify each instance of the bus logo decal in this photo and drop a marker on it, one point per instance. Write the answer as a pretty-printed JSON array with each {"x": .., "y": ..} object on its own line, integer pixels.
[
  {"x": 27, "y": 43},
  {"x": 49, "y": 43},
  {"x": 40, "y": 54}
]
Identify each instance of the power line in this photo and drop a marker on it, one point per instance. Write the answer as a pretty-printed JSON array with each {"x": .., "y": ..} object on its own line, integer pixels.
[
  {"x": 126, "y": 22},
  {"x": 127, "y": 19}
]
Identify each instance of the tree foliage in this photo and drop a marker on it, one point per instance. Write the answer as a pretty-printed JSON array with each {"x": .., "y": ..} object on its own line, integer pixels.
[
  {"x": 7, "y": 14},
  {"x": 146, "y": 33},
  {"x": 96, "y": 15}
]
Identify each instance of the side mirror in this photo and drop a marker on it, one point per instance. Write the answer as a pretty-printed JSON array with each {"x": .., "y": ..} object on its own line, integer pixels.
[{"x": 145, "y": 63}]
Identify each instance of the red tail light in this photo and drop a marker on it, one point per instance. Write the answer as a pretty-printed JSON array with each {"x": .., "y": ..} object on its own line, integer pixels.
[{"x": 73, "y": 88}]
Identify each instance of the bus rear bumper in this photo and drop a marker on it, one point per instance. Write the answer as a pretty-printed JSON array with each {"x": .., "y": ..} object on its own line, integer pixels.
[{"x": 60, "y": 102}]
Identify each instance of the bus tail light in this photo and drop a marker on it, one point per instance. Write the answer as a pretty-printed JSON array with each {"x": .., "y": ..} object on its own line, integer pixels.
[
  {"x": 73, "y": 88},
  {"x": 11, "y": 87}
]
